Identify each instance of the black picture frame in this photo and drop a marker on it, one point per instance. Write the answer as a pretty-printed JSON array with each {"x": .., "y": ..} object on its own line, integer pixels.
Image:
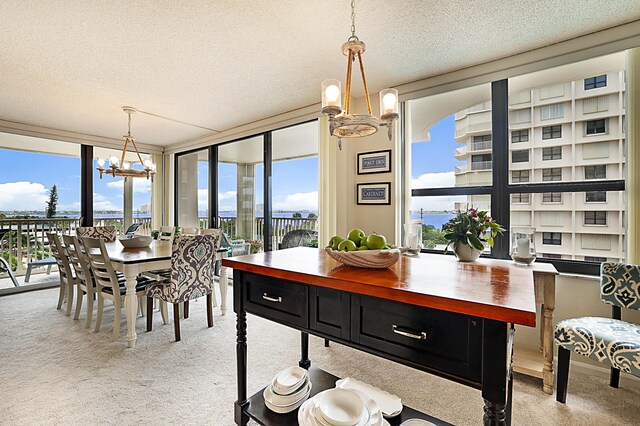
[
  {"x": 372, "y": 162},
  {"x": 374, "y": 197}
]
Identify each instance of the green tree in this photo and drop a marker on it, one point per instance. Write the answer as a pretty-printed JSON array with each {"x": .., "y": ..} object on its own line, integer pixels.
[
  {"x": 432, "y": 237},
  {"x": 52, "y": 204},
  {"x": 297, "y": 214},
  {"x": 312, "y": 216}
]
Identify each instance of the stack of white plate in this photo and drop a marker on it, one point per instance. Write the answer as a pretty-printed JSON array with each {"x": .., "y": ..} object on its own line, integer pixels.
[
  {"x": 341, "y": 407},
  {"x": 288, "y": 390}
]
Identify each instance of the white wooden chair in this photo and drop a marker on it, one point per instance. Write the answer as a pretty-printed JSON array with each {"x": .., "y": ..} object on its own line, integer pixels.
[
  {"x": 67, "y": 278},
  {"x": 107, "y": 284},
  {"x": 84, "y": 278},
  {"x": 190, "y": 231},
  {"x": 167, "y": 233}
]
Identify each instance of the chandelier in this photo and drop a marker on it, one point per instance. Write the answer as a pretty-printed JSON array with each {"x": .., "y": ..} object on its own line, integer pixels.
[
  {"x": 126, "y": 168},
  {"x": 342, "y": 123}
]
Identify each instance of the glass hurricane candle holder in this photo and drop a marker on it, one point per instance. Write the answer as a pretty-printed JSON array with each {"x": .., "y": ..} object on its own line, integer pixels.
[
  {"x": 413, "y": 238},
  {"x": 523, "y": 245}
]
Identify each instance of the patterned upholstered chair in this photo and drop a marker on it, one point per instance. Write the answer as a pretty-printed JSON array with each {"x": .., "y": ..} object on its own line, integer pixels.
[
  {"x": 107, "y": 233},
  {"x": 191, "y": 277},
  {"x": 610, "y": 341}
]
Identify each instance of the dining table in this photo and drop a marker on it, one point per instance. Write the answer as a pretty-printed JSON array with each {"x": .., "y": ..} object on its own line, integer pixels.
[{"x": 157, "y": 256}]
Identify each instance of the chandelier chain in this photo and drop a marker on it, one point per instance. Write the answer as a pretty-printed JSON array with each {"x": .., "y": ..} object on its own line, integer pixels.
[
  {"x": 129, "y": 131},
  {"x": 353, "y": 19}
]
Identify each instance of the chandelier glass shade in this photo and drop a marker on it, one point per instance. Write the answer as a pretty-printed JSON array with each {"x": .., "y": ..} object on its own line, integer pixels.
[
  {"x": 119, "y": 167},
  {"x": 342, "y": 122}
]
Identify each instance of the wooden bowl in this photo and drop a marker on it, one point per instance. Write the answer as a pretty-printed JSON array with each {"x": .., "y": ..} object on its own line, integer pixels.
[{"x": 375, "y": 259}]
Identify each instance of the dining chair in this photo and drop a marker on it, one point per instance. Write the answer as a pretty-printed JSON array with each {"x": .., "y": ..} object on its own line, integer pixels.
[
  {"x": 107, "y": 284},
  {"x": 166, "y": 233},
  {"x": 191, "y": 277},
  {"x": 84, "y": 277},
  {"x": 67, "y": 279},
  {"x": 190, "y": 231},
  {"x": 611, "y": 341},
  {"x": 107, "y": 233}
]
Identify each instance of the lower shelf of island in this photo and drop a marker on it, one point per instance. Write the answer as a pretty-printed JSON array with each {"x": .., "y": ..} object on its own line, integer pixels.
[{"x": 321, "y": 381}]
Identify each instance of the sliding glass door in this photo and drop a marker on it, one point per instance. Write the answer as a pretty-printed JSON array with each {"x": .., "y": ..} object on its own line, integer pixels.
[{"x": 192, "y": 189}]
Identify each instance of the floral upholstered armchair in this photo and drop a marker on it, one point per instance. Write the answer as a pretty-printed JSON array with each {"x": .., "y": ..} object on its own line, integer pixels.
[
  {"x": 191, "y": 277},
  {"x": 613, "y": 342},
  {"x": 107, "y": 233}
]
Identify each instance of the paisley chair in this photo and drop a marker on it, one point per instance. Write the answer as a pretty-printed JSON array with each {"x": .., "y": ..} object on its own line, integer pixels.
[
  {"x": 107, "y": 233},
  {"x": 613, "y": 342},
  {"x": 192, "y": 261}
]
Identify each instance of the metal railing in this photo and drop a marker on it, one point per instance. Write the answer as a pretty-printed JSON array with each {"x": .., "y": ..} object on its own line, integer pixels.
[
  {"x": 26, "y": 240},
  {"x": 479, "y": 146},
  {"x": 482, "y": 165}
]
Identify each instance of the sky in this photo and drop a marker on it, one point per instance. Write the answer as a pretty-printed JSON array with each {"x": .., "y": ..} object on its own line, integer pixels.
[{"x": 27, "y": 177}]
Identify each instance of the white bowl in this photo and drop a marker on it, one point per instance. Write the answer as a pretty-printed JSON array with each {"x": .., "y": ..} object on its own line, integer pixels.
[
  {"x": 289, "y": 380},
  {"x": 416, "y": 422},
  {"x": 287, "y": 408},
  {"x": 135, "y": 241},
  {"x": 286, "y": 400},
  {"x": 341, "y": 407}
]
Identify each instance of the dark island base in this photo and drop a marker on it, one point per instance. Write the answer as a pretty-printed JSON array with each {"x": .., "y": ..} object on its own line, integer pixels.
[{"x": 257, "y": 410}]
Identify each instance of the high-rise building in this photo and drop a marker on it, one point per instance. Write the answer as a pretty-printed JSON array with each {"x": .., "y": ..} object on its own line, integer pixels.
[{"x": 566, "y": 132}]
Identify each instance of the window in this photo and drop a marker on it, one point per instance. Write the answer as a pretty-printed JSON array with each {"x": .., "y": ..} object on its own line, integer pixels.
[
  {"x": 521, "y": 156},
  {"x": 595, "y": 172},
  {"x": 552, "y": 132},
  {"x": 521, "y": 198},
  {"x": 595, "y": 197},
  {"x": 596, "y": 104},
  {"x": 552, "y": 175},
  {"x": 595, "y": 150},
  {"x": 520, "y": 136},
  {"x": 552, "y": 238},
  {"x": 596, "y": 127},
  {"x": 481, "y": 162},
  {"x": 482, "y": 138},
  {"x": 553, "y": 153},
  {"x": 520, "y": 116},
  {"x": 595, "y": 218},
  {"x": 551, "y": 255},
  {"x": 552, "y": 197},
  {"x": 520, "y": 176},
  {"x": 595, "y": 259},
  {"x": 549, "y": 112},
  {"x": 595, "y": 82},
  {"x": 596, "y": 242},
  {"x": 481, "y": 142}
]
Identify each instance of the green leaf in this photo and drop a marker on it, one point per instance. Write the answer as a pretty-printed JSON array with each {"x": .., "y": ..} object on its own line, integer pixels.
[{"x": 475, "y": 242}]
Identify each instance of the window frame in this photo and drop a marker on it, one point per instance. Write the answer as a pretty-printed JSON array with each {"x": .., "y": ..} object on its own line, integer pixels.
[
  {"x": 520, "y": 133},
  {"x": 595, "y": 82},
  {"x": 520, "y": 152},
  {"x": 595, "y": 218},
  {"x": 552, "y": 153},
  {"x": 551, "y": 131},
  {"x": 595, "y": 122},
  {"x": 500, "y": 190},
  {"x": 552, "y": 238}
]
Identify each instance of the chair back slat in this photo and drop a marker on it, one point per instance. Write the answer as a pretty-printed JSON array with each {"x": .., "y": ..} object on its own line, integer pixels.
[
  {"x": 620, "y": 285},
  {"x": 78, "y": 260},
  {"x": 167, "y": 233},
  {"x": 61, "y": 257},
  {"x": 103, "y": 272},
  {"x": 189, "y": 231},
  {"x": 107, "y": 233},
  {"x": 192, "y": 263}
]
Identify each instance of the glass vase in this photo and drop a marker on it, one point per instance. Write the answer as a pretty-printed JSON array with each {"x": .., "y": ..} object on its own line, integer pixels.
[{"x": 523, "y": 245}]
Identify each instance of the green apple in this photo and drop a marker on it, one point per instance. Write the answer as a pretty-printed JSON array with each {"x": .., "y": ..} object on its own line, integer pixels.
[
  {"x": 363, "y": 242},
  {"x": 376, "y": 242},
  {"x": 363, "y": 248},
  {"x": 347, "y": 245},
  {"x": 335, "y": 241},
  {"x": 356, "y": 235}
]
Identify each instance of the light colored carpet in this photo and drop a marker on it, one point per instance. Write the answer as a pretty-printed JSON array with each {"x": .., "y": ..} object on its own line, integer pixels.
[{"x": 53, "y": 371}]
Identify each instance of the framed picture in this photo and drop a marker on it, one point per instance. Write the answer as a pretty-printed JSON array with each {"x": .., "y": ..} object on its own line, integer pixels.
[
  {"x": 373, "y": 193},
  {"x": 374, "y": 162}
]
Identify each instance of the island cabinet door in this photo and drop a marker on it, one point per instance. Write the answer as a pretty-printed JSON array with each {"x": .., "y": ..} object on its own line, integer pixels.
[
  {"x": 330, "y": 312},
  {"x": 279, "y": 300},
  {"x": 440, "y": 340}
]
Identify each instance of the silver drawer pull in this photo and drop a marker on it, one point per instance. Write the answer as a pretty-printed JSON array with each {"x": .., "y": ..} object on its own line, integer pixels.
[
  {"x": 421, "y": 336},
  {"x": 265, "y": 296}
]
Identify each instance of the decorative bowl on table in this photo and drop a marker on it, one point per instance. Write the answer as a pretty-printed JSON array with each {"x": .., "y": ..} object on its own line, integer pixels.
[
  {"x": 135, "y": 241},
  {"x": 374, "y": 259}
]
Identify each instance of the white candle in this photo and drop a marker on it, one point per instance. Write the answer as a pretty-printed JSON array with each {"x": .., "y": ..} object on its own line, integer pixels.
[{"x": 524, "y": 247}]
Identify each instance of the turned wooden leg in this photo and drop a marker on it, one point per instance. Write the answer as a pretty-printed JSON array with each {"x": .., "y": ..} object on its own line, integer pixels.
[
  {"x": 149, "y": 313},
  {"x": 564, "y": 356},
  {"x": 240, "y": 416},
  {"x": 304, "y": 351},
  {"x": 614, "y": 381},
  {"x": 547, "y": 351},
  {"x": 210, "y": 309},
  {"x": 494, "y": 414},
  {"x": 326, "y": 343},
  {"x": 186, "y": 309},
  {"x": 176, "y": 320}
]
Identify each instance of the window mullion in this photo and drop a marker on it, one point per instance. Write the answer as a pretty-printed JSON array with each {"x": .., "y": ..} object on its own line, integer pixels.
[{"x": 500, "y": 203}]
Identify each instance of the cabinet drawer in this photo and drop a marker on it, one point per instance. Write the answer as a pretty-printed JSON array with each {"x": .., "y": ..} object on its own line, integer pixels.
[
  {"x": 330, "y": 311},
  {"x": 275, "y": 299},
  {"x": 437, "y": 339}
]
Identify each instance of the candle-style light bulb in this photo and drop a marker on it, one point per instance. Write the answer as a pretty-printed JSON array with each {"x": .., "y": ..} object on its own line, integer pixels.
[
  {"x": 114, "y": 160},
  {"x": 126, "y": 165},
  {"x": 101, "y": 162},
  {"x": 148, "y": 163}
]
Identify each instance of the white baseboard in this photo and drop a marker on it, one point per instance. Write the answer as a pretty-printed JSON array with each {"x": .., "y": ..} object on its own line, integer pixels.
[{"x": 626, "y": 380}]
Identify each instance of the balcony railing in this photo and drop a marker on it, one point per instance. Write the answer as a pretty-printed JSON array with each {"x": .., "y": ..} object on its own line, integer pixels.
[
  {"x": 118, "y": 222},
  {"x": 479, "y": 146},
  {"x": 279, "y": 225},
  {"x": 482, "y": 165}
]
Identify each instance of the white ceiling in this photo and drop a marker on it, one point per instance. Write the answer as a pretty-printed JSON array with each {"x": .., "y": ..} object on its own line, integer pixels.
[{"x": 219, "y": 64}]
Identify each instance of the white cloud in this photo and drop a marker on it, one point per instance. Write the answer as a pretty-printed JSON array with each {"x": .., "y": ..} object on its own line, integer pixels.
[
  {"x": 436, "y": 203},
  {"x": 203, "y": 195},
  {"x": 23, "y": 196},
  {"x": 103, "y": 203},
  {"x": 298, "y": 201},
  {"x": 74, "y": 206},
  {"x": 434, "y": 180},
  {"x": 140, "y": 186}
]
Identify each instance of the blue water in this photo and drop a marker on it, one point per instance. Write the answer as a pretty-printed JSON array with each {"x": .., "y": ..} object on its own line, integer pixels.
[{"x": 435, "y": 219}]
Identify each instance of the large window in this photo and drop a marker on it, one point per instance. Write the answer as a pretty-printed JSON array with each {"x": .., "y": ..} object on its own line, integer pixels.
[
  {"x": 595, "y": 82},
  {"x": 530, "y": 193},
  {"x": 192, "y": 190}
]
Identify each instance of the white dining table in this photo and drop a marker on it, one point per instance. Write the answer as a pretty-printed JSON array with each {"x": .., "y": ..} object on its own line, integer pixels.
[{"x": 132, "y": 262}]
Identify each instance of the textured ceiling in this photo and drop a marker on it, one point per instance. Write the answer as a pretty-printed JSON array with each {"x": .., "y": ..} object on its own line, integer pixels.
[{"x": 71, "y": 65}]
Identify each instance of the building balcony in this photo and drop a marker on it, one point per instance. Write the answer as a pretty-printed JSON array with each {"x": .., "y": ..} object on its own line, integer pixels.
[{"x": 473, "y": 167}]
